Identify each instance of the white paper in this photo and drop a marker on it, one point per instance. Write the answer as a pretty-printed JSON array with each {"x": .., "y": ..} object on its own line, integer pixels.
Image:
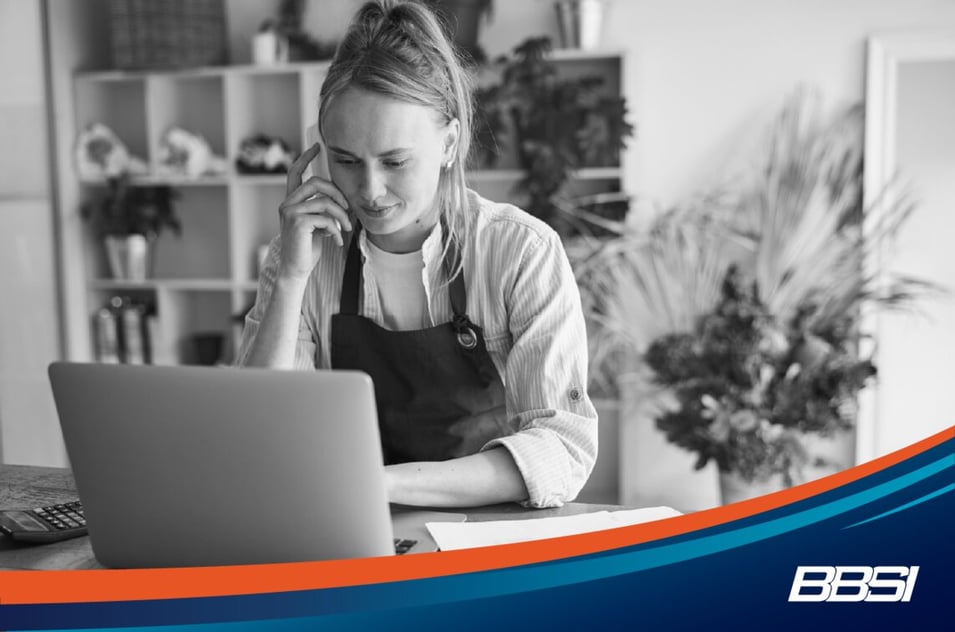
[{"x": 465, "y": 535}]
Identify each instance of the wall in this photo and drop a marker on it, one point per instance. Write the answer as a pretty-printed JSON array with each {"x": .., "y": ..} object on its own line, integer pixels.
[
  {"x": 703, "y": 77},
  {"x": 29, "y": 329}
]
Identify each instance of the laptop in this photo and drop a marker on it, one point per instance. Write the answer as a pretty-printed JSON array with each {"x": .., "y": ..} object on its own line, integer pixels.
[{"x": 207, "y": 466}]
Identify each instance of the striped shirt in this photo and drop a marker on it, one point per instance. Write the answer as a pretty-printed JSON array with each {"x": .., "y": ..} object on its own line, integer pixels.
[{"x": 521, "y": 291}]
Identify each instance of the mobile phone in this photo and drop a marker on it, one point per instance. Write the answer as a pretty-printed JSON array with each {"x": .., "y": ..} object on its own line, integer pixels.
[
  {"x": 40, "y": 525},
  {"x": 319, "y": 166}
]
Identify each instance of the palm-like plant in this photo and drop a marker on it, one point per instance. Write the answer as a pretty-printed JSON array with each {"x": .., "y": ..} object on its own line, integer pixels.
[
  {"x": 804, "y": 218},
  {"x": 640, "y": 285}
]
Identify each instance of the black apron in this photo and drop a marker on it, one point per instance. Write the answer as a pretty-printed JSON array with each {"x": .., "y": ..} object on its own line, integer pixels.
[{"x": 438, "y": 393}]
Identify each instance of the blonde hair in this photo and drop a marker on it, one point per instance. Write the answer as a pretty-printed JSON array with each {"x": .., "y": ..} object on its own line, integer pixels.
[{"x": 399, "y": 49}]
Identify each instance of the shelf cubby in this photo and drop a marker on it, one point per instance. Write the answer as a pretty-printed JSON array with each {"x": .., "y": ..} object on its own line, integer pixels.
[
  {"x": 255, "y": 221},
  {"x": 185, "y": 315},
  {"x": 202, "y": 250},
  {"x": 120, "y": 104},
  {"x": 193, "y": 102},
  {"x": 269, "y": 105}
]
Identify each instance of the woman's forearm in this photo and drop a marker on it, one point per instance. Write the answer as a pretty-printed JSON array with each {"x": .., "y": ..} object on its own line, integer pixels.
[
  {"x": 277, "y": 335},
  {"x": 484, "y": 478}
]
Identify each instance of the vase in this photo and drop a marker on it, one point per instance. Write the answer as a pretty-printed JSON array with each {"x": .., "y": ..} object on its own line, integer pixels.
[
  {"x": 129, "y": 256},
  {"x": 464, "y": 19},
  {"x": 734, "y": 488},
  {"x": 653, "y": 470},
  {"x": 580, "y": 23}
]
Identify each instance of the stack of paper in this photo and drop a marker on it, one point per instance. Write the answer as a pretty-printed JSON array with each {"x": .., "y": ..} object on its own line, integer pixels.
[{"x": 464, "y": 535}]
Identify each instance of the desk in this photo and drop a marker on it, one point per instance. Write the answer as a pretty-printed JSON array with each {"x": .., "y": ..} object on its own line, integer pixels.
[{"x": 24, "y": 486}]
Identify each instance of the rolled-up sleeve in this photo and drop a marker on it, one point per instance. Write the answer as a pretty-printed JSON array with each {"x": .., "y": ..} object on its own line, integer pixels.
[
  {"x": 555, "y": 447},
  {"x": 305, "y": 346}
]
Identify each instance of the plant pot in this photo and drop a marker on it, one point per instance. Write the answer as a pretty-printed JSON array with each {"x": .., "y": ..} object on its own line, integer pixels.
[
  {"x": 580, "y": 22},
  {"x": 130, "y": 257},
  {"x": 734, "y": 488},
  {"x": 464, "y": 19}
]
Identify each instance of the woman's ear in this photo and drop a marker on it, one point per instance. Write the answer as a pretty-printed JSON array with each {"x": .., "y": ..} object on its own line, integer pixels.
[{"x": 452, "y": 132}]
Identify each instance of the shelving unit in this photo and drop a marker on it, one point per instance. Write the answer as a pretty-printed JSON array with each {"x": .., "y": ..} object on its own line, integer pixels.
[{"x": 206, "y": 278}]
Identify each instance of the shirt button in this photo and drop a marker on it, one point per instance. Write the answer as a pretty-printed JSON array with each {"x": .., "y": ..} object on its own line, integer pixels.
[{"x": 574, "y": 395}]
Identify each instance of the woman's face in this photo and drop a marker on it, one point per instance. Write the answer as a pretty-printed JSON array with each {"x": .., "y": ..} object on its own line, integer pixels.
[{"x": 386, "y": 156}]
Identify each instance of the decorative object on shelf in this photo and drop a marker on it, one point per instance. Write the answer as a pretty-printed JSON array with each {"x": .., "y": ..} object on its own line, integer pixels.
[
  {"x": 557, "y": 125},
  {"x": 183, "y": 153},
  {"x": 121, "y": 332},
  {"x": 168, "y": 34},
  {"x": 301, "y": 45},
  {"x": 269, "y": 46},
  {"x": 580, "y": 22},
  {"x": 740, "y": 313},
  {"x": 129, "y": 219},
  {"x": 263, "y": 154},
  {"x": 207, "y": 347},
  {"x": 99, "y": 153},
  {"x": 106, "y": 335},
  {"x": 463, "y": 20}
]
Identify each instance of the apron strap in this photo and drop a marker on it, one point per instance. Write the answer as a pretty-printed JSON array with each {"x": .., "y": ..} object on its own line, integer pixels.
[
  {"x": 456, "y": 291},
  {"x": 352, "y": 281}
]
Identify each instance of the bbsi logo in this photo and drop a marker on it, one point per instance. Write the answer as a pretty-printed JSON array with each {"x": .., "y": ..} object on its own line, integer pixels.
[{"x": 853, "y": 583}]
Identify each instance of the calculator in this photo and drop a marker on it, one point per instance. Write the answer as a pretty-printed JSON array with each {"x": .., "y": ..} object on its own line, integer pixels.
[{"x": 44, "y": 524}]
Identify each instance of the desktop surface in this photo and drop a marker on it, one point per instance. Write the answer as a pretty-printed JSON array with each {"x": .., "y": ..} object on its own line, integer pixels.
[{"x": 24, "y": 486}]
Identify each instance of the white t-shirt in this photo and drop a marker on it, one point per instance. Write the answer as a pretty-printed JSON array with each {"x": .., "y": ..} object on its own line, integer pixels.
[{"x": 404, "y": 303}]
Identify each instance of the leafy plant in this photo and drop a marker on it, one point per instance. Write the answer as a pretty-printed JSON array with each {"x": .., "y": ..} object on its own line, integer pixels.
[
  {"x": 747, "y": 386},
  {"x": 558, "y": 124},
  {"x": 124, "y": 208},
  {"x": 741, "y": 313}
]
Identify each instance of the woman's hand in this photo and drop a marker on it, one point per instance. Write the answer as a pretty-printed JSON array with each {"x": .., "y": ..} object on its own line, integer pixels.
[{"x": 315, "y": 207}]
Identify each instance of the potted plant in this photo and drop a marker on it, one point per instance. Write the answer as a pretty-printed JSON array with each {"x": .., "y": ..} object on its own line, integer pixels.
[
  {"x": 129, "y": 219},
  {"x": 739, "y": 315},
  {"x": 556, "y": 125}
]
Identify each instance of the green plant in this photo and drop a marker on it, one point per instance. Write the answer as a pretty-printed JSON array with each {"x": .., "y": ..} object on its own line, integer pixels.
[
  {"x": 741, "y": 313},
  {"x": 748, "y": 386},
  {"x": 558, "y": 125},
  {"x": 126, "y": 208}
]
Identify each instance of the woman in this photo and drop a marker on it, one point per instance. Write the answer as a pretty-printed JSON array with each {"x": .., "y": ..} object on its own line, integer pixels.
[{"x": 464, "y": 312}]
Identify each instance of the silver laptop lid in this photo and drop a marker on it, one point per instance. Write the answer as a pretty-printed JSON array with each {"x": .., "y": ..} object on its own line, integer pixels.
[{"x": 197, "y": 466}]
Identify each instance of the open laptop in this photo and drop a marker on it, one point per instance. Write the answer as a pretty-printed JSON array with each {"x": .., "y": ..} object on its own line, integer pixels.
[{"x": 202, "y": 466}]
